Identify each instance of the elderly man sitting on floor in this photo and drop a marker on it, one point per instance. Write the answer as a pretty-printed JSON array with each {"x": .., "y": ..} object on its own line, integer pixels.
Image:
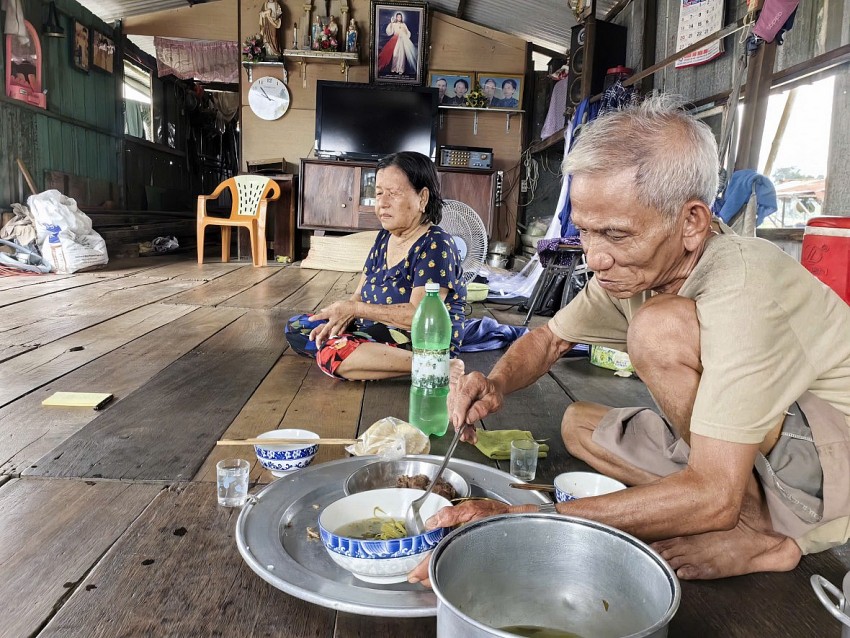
[{"x": 746, "y": 354}]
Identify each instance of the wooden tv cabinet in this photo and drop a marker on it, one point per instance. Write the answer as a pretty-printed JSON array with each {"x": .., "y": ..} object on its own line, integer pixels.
[{"x": 339, "y": 195}]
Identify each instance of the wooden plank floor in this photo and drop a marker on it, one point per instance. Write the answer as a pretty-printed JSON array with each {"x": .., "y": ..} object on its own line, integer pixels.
[{"x": 108, "y": 520}]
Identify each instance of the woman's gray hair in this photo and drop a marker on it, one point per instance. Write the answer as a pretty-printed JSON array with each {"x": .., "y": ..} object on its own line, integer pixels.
[{"x": 673, "y": 154}]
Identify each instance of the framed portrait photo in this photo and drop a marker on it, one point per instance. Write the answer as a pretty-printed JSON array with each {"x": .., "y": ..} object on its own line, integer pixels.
[
  {"x": 81, "y": 47},
  {"x": 452, "y": 86},
  {"x": 103, "y": 52},
  {"x": 502, "y": 91},
  {"x": 399, "y": 42}
]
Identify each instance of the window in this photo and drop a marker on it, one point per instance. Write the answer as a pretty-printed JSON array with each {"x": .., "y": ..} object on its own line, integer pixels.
[
  {"x": 138, "y": 103},
  {"x": 794, "y": 154}
]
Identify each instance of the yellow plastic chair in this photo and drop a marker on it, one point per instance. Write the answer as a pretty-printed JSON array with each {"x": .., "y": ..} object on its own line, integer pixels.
[{"x": 251, "y": 195}]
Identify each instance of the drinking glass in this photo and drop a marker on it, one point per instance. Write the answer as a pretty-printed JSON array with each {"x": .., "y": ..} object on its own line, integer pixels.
[
  {"x": 232, "y": 481},
  {"x": 524, "y": 459}
]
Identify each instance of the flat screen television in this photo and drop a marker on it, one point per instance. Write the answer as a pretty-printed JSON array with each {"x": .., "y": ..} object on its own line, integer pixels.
[{"x": 365, "y": 121}]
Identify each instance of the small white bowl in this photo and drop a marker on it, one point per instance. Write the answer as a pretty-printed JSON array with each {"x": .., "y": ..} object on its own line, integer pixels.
[
  {"x": 280, "y": 460},
  {"x": 573, "y": 485},
  {"x": 376, "y": 561}
]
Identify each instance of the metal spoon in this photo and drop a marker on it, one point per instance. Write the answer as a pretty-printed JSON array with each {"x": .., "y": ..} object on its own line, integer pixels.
[{"x": 413, "y": 523}]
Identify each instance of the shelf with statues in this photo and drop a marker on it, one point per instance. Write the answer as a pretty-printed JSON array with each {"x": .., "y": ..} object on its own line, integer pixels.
[
  {"x": 305, "y": 56},
  {"x": 509, "y": 113}
]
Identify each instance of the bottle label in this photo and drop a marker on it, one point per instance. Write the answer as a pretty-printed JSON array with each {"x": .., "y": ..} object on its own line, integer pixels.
[{"x": 430, "y": 368}]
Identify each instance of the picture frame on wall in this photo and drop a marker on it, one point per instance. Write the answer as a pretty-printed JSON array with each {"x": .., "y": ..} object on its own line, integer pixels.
[
  {"x": 399, "y": 42},
  {"x": 103, "y": 52},
  {"x": 81, "y": 47},
  {"x": 452, "y": 86},
  {"x": 501, "y": 90}
]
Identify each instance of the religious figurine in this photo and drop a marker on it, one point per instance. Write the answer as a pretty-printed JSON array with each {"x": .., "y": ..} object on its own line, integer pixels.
[
  {"x": 270, "y": 21},
  {"x": 333, "y": 27},
  {"x": 351, "y": 37},
  {"x": 315, "y": 32}
]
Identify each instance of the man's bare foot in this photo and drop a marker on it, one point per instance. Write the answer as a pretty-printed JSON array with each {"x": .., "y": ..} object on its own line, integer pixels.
[
  {"x": 456, "y": 370},
  {"x": 742, "y": 550}
]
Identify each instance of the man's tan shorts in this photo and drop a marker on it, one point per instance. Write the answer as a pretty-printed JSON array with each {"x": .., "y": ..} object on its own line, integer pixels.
[{"x": 806, "y": 476}]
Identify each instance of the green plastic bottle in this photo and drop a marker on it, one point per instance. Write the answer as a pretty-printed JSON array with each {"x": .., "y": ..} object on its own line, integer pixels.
[{"x": 431, "y": 334}]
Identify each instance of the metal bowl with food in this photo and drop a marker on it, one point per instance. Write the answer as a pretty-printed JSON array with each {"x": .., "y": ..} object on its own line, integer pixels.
[{"x": 399, "y": 473}]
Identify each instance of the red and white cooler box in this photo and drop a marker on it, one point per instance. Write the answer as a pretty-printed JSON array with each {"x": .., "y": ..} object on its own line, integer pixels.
[{"x": 826, "y": 252}]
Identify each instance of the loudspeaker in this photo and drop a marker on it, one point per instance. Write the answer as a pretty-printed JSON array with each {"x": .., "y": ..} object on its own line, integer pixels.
[{"x": 595, "y": 47}]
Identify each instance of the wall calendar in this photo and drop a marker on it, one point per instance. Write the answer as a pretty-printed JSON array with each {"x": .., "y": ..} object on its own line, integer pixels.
[{"x": 698, "y": 19}]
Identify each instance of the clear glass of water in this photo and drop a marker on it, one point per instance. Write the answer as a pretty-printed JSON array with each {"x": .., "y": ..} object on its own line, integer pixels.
[
  {"x": 232, "y": 482},
  {"x": 524, "y": 459}
]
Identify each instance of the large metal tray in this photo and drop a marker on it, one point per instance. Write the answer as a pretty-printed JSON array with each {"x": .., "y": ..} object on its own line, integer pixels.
[{"x": 271, "y": 534}]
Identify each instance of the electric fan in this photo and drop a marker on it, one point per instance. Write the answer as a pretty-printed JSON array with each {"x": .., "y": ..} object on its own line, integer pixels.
[{"x": 469, "y": 234}]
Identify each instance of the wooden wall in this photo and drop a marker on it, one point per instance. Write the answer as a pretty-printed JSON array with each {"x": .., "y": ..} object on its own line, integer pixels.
[
  {"x": 79, "y": 132},
  {"x": 820, "y": 26},
  {"x": 460, "y": 45},
  {"x": 77, "y": 144},
  {"x": 455, "y": 45}
]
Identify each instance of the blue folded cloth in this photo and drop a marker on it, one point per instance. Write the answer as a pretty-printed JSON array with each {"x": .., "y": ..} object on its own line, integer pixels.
[
  {"x": 738, "y": 192},
  {"x": 488, "y": 334}
]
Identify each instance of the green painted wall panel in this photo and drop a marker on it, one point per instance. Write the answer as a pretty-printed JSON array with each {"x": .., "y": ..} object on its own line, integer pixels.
[{"x": 47, "y": 140}]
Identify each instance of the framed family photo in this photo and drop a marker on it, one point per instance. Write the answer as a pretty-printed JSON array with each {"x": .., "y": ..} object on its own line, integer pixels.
[
  {"x": 452, "y": 86},
  {"x": 103, "y": 53},
  {"x": 501, "y": 91},
  {"x": 81, "y": 47},
  {"x": 399, "y": 42}
]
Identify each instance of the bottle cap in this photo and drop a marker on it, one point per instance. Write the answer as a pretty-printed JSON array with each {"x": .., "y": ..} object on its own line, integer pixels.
[{"x": 432, "y": 287}]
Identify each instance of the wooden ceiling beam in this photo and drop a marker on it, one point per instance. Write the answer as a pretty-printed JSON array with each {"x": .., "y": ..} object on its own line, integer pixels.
[{"x": 207, "y": 21}]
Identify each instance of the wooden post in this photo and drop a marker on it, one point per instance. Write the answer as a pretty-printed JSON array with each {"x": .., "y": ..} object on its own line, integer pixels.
[
  {"x": 27, "y": 176},
  {"x": 759, "y": 76},
  {"x": 780, "y": 131},
  {"x": 837, "y": 196}
]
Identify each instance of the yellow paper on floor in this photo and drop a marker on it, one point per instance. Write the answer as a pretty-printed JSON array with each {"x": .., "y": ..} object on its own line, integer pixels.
[
  {"x": 77, "y": 399},
  {"x": 496, "y": 444}
]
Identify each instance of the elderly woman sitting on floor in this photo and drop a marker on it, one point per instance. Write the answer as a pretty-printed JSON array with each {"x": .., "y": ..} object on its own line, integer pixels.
[{"x": 368, "y": 336}]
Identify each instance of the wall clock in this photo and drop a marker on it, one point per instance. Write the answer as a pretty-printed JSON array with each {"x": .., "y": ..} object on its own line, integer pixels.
[{"x": 268, "y": 98}]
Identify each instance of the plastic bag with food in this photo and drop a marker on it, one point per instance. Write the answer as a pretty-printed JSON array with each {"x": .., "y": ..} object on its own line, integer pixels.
[{"x": 388, "y": 436}]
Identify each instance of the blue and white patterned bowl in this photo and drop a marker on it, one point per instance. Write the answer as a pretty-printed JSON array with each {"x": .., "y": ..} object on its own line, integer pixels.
[
  {"x": 379, "y": 561},
  {"x": 282, "y": 459},
  {"x": 572, "y": 485}
]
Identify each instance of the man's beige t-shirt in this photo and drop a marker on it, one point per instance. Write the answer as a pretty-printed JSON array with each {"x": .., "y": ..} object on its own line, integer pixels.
[{"x": 769, "y": 331}]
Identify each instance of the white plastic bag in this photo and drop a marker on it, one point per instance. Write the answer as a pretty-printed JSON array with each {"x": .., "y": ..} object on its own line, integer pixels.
[
  {"x": 65, "y": 233},
  {"x": 382, "y": 435}
]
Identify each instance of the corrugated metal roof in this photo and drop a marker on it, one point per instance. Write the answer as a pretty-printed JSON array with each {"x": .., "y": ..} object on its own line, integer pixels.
[
  {"x": 111, "y": 10},
  {"x": 545, "y": 23}
]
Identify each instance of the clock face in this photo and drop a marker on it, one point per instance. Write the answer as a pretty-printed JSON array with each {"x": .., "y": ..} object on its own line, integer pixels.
[{"x": 268, "y": 98}]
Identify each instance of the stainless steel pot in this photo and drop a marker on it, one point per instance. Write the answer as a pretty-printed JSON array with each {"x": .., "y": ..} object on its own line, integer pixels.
[
  {"x": 495, "y": 260},
  {"x": 841, "y": 607},
  {"x": 553, "y": 571},
  {"x": 500, "y": 248}
]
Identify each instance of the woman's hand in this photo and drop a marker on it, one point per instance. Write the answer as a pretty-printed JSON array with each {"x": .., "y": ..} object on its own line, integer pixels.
[
  {"x": 466, "y": 512},
  {"x": 473, "y": 397},
  {"x": 338, "y": 316}
]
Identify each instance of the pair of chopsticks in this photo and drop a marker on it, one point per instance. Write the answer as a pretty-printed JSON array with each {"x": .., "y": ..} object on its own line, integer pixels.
[
  {"x": 256, "y": 441},
  {"x": 533, "y": 486}
]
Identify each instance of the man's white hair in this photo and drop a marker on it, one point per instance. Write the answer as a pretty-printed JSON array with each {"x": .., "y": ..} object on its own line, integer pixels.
[{"x": 673, "y": 155}]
